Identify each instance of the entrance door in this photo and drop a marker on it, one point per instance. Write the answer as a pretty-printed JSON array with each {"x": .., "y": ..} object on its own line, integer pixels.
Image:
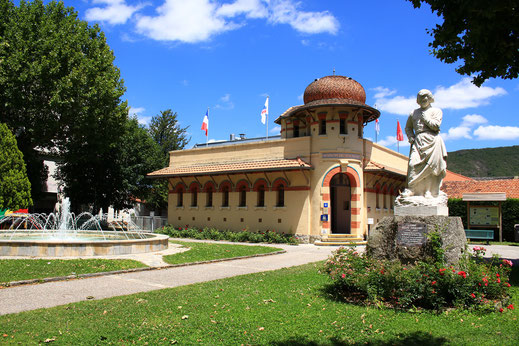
[{"x": 340, "y": 195}]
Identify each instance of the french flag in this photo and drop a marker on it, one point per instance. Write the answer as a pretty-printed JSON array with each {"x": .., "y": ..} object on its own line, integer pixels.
[{"x": 205, "y": 123}]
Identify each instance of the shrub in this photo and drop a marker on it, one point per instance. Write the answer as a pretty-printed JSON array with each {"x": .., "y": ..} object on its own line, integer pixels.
[
  {"x": 475, "y": 283},
  {"x": 215, "y": 234}
]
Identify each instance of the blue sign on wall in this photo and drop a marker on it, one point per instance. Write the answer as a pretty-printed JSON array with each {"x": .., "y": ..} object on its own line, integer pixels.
[
  {"x": 325, "y": 205},
  {"x": 324, "y": 217}
]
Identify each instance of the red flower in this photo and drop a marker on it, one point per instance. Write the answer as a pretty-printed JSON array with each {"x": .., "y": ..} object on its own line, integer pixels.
[
  {"x": 501, "y": 310},
  {"x": 442, "y": 271},
  {"x": 498, "y": 281},
  {"x": 510, "y": 307},
  {"x": 497, "y": 275},
  {"x": 433, "y": 283},
  {"x": 462, "y": 273},
  {"x": 343, "y": 276},
  {"x": 473, "y": 295},
  {"x": 507, "y": 284}
]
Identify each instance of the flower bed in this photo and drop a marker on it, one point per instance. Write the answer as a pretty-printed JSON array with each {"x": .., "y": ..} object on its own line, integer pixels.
[
  {"x": 215, "y": 234},
  {"x": 474, "y": 283}
]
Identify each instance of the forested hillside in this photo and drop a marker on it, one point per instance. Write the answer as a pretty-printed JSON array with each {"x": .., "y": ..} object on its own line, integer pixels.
[{"x": 487, "y": 162}]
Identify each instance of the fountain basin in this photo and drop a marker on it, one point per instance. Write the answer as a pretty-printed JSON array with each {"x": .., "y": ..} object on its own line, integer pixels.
[{"x": 81, "y": 243}]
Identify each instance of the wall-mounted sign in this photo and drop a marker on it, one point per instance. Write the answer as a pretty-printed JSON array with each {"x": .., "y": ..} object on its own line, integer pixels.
[
  {"x": 371, "y": 221},
  {"x": 324, "y": 217},
  {"x": 325, "y": 205},
  {"x": 341, "y": 156},
  {"x": 323, "y": 231},
  {"x": 484, "y": 216}
]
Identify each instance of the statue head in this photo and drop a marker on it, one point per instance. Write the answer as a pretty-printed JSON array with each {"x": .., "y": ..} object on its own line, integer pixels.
[{"x": 424, "y": 98}]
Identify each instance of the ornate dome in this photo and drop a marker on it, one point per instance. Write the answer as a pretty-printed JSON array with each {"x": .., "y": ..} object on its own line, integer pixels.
[{"x": 334, "y": 87}]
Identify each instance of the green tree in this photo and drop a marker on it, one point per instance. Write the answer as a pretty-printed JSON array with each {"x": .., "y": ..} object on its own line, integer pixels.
[
  {"x": 123, "y": 168},
  {"x": 15, "y": 189},
  {"x": 60, "y": 90},
  {"x": 481, "y": 33},
  {"x": 169, "y": 135}
]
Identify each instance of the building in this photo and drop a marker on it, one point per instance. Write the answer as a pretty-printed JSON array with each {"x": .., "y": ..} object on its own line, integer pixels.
[{"x": 320, "y": 180}]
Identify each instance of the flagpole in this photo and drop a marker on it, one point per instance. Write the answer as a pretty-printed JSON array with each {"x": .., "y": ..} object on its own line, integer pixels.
[
  {"x": 267, "y": 120},
  {"x": 207, "y": 134}
]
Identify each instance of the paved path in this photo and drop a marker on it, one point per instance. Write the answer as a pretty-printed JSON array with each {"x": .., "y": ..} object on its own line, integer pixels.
[{"x": 30, "y": 297}]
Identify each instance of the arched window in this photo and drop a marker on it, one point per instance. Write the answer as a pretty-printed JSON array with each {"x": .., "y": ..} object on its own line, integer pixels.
[
  {"x": 194, "y": 196},
  {"x": 377, "y": 196},
  {"x": 261, "y": 196},
  {"x": 225, "y": 196},
  {"x": 243, "y": 195},
  {"x": 209, "y": 197},
  {"x": 280, "y": 196},
  {"x": 180, "y": 198}
]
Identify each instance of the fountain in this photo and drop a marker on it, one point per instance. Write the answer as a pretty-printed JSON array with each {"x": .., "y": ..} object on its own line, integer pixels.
[{"x": 63, "y": 234}]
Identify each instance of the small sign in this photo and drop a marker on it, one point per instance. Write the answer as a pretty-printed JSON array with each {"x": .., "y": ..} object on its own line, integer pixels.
[
  {"x": 325, "y": 205},
  {"x": 323, "y": 231},
  {"x": 371, "y": 221},
  {"x": 410, "y": 233},
  {"x": 324, "y": 217},
  {"x": 325, "y": 211}
]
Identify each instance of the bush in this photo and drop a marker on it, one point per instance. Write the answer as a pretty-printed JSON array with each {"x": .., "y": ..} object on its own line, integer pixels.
[
  {"x": 215, "y": 234},
  {"x": 475, "y": 283}
]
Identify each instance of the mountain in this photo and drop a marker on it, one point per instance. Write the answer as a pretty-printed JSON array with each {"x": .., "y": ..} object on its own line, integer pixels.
[{"x": 486, "y": 162}]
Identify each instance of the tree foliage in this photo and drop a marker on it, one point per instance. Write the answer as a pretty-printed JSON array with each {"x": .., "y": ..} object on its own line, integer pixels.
[
  {"x": 15, "y": 189},
  {"x": 59, "y": 90},
  {"x": 482, "y": 34},
  {"x": 485, "y": 162},
  {"x": 169, "y": 135}
]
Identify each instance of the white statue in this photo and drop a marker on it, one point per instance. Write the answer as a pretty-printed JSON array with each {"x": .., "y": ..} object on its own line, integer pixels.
[{"x": 427, "y": 157}]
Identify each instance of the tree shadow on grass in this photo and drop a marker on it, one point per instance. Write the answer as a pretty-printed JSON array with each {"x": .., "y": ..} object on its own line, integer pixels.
[
  {"x": 337, "y": 294},
  {"x": 416, "y": 338}
]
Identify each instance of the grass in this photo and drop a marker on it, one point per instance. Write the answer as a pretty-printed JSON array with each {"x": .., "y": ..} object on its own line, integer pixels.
[
  {"x": 25, "y": 269},
  {"x": 283, "y": 307},
  {"x": 211, "y": 251}
]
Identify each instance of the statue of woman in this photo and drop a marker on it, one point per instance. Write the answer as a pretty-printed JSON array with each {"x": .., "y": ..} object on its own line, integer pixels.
[{"x": 427, "y": 157}]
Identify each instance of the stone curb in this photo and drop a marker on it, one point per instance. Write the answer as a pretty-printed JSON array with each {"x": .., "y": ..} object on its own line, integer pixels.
[{"x": 133, "y": 270}]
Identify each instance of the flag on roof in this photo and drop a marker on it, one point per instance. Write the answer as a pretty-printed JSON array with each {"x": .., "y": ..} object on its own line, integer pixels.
[
  {"x": 399, "y": 133},
  {"x": 205, "y": 123},
  {"x": 377, "y": 127},
  {"x": 265, "y": 111}
]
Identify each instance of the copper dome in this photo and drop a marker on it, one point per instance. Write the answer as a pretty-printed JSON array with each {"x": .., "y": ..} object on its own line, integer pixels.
[{"x": 334, "y": 87}]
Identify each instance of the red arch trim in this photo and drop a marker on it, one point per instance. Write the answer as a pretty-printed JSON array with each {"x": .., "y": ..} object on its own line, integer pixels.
[
  {"x": 224, "y": 184},
  {"x": 241, "y": 184},
  {"x": 350, "y": 172},
  {"x": 259, "y": 183},
  {"x": 278, "y": 183},
  {"x": 209, "y": 186},
  {"x": 194, "y": 186}
]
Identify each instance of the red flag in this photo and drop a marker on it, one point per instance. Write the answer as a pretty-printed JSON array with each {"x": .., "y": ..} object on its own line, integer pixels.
[{"x": 399, "y": 134}]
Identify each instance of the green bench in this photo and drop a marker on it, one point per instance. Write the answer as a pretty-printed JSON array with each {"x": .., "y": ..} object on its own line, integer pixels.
[{"x": 484, "y": 234}]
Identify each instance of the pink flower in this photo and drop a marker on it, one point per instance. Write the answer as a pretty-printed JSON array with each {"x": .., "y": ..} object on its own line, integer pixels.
[
  {"x": 508, "y": 262},
  {"x": 343, "y": 276}
]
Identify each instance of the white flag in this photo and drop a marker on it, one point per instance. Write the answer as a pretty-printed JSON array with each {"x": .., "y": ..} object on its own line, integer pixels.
[{"x": 265, "y": 112}]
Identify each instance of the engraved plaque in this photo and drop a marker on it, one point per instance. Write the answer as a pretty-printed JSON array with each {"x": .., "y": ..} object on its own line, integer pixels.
[{"x": 410, "y": 234}]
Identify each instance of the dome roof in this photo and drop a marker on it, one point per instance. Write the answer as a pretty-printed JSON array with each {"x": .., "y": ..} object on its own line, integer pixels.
[{"x": 334, "y": 87}]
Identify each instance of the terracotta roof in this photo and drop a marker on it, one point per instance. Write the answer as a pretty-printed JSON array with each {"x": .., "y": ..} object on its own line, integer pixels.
[
  {"x": 451, "y": 176},
  {"x": 334, "y": 87},
  {"x": 232, "y": 167},
  {"x": 456, "y": 189},
  {"x": 377, "y": 167},
  {"x": 369, "y": 113}
]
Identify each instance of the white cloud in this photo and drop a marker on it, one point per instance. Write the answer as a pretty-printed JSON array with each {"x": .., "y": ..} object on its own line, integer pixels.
[
  {"x": 458, "y": 96},
  {"x": 225, "y": 102},
  {"x": 199, "y": 20},
  {"x": 383, "y": 92},
  {"x": 275, "y": 130},
  {"x": 465, "y": 95},
  {"x": 495, "y": 132},
  {"x": 186, "y": 21},
  {"x": 137, "y": 111},
  {"x": 391, "y": 141},
  {"x": 465, "y": 128},
  {"x": 114, "y": 12},
  {"x": 286, "y": 12}
]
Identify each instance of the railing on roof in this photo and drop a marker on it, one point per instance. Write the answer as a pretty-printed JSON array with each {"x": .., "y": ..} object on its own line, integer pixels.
[{"x": 236, "y": 141}]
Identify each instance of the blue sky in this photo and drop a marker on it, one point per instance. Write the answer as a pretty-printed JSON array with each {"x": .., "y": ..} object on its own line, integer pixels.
[{"x": 188, "y": 55}]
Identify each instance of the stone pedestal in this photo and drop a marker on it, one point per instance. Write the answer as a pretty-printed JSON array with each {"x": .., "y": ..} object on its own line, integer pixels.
[
  {"x": 405, "y": 238},
  {"x": 422, "y": 210}
]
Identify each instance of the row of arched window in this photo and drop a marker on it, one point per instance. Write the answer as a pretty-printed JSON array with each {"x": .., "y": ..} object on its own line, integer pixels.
[{"x": 242, "y": 187}]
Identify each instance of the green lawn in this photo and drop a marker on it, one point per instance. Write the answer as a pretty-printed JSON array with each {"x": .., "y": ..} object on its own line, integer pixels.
[
  {"x": 25, "y": 269},
  {"x": 283, "y": 307},
  {"x": 211, "y": 251}
]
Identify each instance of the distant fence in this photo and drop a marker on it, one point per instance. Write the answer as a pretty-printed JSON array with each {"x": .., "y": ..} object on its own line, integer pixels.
[{"x": 150, "y": 223}]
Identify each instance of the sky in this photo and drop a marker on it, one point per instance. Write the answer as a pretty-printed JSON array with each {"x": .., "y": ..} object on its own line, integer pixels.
[{"x": 191, "y": 55}]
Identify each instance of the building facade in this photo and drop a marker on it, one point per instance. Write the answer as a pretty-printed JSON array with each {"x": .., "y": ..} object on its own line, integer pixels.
[{"x": 320, "y": 179}]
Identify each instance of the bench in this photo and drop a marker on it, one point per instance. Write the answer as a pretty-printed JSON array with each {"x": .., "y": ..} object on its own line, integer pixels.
[{"x": 484, "y": 234}]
